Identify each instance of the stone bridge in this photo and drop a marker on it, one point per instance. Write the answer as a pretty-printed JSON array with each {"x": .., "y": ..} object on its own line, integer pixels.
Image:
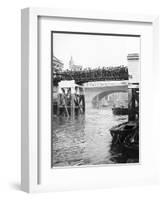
[{"x": 98, "y": 90}]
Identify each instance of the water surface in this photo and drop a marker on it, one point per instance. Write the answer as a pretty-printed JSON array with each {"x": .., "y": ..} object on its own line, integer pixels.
[{"x": 85, "y": 139}]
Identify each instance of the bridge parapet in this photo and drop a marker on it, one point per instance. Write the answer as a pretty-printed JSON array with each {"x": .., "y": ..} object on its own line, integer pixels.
[{"x": 102, "y": 84}]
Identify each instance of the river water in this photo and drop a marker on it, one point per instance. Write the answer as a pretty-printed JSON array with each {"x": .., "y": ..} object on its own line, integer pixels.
[{"x": 85, "y": 139}]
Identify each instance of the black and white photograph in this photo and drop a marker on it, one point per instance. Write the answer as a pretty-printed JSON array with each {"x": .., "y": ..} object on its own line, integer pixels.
[{"x": 95, "y": 84}]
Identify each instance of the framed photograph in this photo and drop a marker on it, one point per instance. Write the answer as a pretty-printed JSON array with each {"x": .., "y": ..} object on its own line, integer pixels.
[{"x": 88, "y": 83}]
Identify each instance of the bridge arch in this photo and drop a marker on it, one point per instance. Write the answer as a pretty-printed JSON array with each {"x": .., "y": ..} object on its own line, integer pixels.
[
  {"x": 91, "y": 94},
  {"x": 101, "y": 95},
  {"x": 106, "y": 93}
]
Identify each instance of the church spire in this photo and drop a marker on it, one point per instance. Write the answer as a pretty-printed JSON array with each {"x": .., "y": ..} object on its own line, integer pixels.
[{"x": 71, "y": 62}]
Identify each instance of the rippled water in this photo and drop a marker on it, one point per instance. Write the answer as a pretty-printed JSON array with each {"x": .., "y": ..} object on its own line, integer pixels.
[{"x": 84, "y": 140}]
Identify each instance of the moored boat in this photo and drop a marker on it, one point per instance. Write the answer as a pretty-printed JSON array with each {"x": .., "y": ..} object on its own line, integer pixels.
[
  {"x": 123, "y": 133},
  {"x": 120, "y": 110}
]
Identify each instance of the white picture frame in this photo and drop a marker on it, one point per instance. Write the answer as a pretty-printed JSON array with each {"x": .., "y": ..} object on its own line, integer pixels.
[{"x": 32, "y": 167}]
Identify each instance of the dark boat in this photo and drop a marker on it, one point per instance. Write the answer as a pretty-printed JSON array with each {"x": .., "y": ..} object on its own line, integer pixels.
[
  {"x": 120, "y": 110},
  {"x": 126, "y": 133}
]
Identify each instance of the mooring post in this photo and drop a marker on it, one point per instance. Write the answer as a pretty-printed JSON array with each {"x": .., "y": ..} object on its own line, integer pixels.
[
  {"x": 72, "y": 101},
  {"x": 83, "y": 103},
  {"x": 131, "y": 106},
  {"x": 82, "y": 99},
  {"x": 65, "y": 105},
  {"x": 59, "y": 100},
  {"x": 58, "y": 104}
]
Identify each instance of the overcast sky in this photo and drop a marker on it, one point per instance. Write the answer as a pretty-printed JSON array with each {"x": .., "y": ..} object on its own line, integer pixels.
[{"x": 94, "y": 50}]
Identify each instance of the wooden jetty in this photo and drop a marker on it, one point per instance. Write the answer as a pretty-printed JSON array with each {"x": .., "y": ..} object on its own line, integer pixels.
[{"x": 69, "y": 99}]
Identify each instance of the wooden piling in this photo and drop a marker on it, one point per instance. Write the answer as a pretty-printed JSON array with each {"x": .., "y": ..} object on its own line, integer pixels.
[
  {"x": 83, "y": 102},
  {"x": 58, "y": 104},
  {"x": 72, "y": 104},
  {"x": 70, "y": 99},
  {"x": 65, "y": 105},
  {"x": 132, "y": 92}
]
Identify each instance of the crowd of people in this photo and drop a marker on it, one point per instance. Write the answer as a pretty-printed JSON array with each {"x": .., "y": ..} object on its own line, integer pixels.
[{"x": 96, "y": 74}]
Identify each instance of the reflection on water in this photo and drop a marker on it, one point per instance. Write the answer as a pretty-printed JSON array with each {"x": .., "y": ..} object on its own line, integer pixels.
[{"x": 85, "y": 139}]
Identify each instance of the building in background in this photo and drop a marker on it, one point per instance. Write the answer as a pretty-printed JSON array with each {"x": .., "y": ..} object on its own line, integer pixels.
[
  {"x": 57, "y": 64},
  {"x": 74, "y": 67}
]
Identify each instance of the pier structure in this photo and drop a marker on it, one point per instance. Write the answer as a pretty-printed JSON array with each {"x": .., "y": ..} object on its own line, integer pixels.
[
  {"x": 133, "y": 86},
  {"x": 127, "y": 134},
  {"x": 133, "y": 99},
  {"x": 69, "y": 99}
]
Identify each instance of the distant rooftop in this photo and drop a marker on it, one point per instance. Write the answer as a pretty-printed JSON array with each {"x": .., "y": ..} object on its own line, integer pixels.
[
  {"x": 133, "y": 56},
  {"x": 57, "y": 60}
]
